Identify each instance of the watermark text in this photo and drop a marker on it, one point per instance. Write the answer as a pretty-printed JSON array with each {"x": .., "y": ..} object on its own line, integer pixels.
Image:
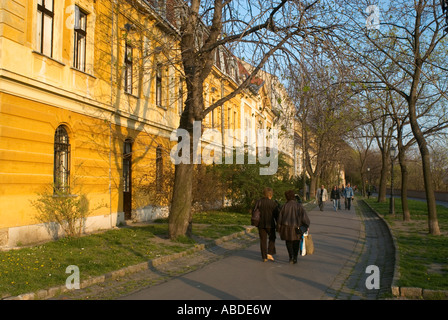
[{"x": 214, "y": 147}]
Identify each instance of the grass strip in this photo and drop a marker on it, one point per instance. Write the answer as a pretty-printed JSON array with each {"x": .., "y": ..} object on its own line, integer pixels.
[
  {"x": 423, "y": 257},
  {"x": 42, "y": 266}
]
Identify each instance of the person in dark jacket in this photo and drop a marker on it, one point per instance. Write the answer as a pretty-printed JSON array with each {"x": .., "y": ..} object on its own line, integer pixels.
[
  {"x": 266, "y": 227},
  {"x": 336, "y": 198},
  {"x": 291, "y": 217}
]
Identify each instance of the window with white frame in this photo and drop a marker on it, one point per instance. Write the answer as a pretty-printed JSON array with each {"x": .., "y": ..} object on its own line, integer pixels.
[
  {"x": 79, "y": 57},
  {"x": 45, "y": 17}
]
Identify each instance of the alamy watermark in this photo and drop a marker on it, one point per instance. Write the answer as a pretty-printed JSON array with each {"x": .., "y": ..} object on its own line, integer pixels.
[
  {"x": 373, "y": 280},
  {"x": 72, "y": 281},
  {"x": 255, "y": 142}
]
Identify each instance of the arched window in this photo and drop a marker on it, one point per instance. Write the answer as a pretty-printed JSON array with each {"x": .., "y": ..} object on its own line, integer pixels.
[
  {"x": 61, "y": 171},
  {"x": 127, "y": 179}
]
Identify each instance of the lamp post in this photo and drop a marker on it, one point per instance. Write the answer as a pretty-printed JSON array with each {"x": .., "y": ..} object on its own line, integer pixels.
[{"x": 393, "y": 152}]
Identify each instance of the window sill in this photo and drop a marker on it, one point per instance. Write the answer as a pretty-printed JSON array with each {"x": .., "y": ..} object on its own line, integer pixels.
[
  {"x": 48, "y": 57},
  {"x": 62, "y": 196},
  {"x": 131, "y": 95},
  {"x": 83, "y": 72}
]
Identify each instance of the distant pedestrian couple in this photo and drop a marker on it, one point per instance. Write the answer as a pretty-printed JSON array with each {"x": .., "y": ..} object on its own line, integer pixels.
[
  {"x": 335, "y": 196},
  {"x": 287, "y": 220}
]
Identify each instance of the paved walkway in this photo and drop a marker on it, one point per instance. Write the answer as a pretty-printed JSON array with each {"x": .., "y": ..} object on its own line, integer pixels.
[{"x": 346, "y": 243}]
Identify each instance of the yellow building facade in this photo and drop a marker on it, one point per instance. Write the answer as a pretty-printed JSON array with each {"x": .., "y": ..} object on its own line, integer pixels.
[{"x": 90, "y": 93}]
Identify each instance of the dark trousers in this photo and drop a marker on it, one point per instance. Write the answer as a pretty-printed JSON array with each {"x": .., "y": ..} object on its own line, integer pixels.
[
  {"x": 321, "y": 204},
  {"x": 293, "y": 247},
  {"x": 349, "y": 202},
  {"x": 267, "y": 241}
]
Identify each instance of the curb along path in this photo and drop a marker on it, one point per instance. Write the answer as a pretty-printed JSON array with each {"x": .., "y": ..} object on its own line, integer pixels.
[
  {"x": 375, "y": 246},
  {"x": 408, "y": 292}
]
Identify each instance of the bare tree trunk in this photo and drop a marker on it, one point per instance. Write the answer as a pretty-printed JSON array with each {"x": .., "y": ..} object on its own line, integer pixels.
[
  {"x": 180, "y": 217},
  {"x": 313, "y": 185},
  {"x": 404, "y": 175},
  {"x": 180, "y": 213},
  {"x": 404, "y": 189},
  {"x": 433, "y": 224},
  {"x": 314, "y": 175},
  {"x": 383, "y": 177}
]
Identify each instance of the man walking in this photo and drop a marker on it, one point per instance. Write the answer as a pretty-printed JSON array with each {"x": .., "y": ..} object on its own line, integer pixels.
[
  {"x": 322, "y": 196},
  {"x": 266, "y": 228},
  {"x": 348, "y": 194}
]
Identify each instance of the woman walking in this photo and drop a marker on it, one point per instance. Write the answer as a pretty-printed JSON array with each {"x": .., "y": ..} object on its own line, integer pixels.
[
  {"x": 292, "y": 216},
  {"x": 335, "y": 196},
  {"x": 266, "y": 227}
]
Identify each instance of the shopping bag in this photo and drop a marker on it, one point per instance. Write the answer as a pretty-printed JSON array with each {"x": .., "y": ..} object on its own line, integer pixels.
[
  {"x": 309, "y": 245},
  {"x": 302, "y": 246},
  {"x": 255, "y": 219}
]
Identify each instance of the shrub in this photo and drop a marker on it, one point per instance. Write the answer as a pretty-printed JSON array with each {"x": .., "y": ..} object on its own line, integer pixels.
[{"x": 67, "y": 210}]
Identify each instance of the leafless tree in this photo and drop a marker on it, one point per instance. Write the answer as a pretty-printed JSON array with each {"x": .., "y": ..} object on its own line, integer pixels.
[
  {"x": 325, "y": 109},
  {"x": 404, "y": 50},
  {"x": 260, "y": 27}
]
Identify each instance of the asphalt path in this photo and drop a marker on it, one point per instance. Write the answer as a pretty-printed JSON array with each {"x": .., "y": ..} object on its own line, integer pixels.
[{"x": 338, "y": 239}]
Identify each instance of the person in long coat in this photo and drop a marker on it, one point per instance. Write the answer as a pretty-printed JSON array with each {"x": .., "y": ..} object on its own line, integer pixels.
[
  {"x": 321, "y": 196},
  {"x": 266, "y": 227},
  {"x": 291, "y": 217}
]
